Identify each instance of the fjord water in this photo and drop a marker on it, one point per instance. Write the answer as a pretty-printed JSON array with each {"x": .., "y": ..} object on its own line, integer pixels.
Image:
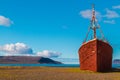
[{"x": 53, "y": 65}]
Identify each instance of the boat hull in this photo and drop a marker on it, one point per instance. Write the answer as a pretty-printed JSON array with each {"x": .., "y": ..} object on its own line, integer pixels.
[{"x": 95, "y": 55}]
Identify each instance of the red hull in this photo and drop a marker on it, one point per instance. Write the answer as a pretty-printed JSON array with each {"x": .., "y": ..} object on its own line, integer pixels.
[{"x": 95, "y": 55}]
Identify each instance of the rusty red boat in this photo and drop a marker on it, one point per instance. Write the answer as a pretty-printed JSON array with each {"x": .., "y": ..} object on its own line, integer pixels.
[{"x": 96, "y": 53}]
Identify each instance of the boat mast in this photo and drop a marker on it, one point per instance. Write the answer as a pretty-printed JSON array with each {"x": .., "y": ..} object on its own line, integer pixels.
[{"x": 93, "y": 24}]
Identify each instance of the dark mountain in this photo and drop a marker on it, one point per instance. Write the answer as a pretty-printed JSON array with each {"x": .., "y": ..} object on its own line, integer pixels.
[{"x": 26, "y": 60}]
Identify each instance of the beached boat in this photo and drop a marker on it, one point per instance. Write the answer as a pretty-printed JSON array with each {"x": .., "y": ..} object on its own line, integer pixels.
[{"x": 95, "y": 54}]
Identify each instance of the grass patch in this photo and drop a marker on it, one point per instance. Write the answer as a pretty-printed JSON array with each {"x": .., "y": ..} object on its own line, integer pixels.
[{"x": 53, "y": 73}]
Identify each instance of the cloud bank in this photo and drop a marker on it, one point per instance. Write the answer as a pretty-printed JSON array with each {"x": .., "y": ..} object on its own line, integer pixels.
[
  {"x": 109, "y": 21},
  {"x": 4, "y": 21},
  {"x": 111, "y": 14},
  {"x": 108, "y": 17},
  {"x": 88, "y": 14},
  {"x": 116, "y": 7},
  {"x": 21, "y": 49},
  {"x": 47, "y": 53},
  {"x": 17, "y": 48}
]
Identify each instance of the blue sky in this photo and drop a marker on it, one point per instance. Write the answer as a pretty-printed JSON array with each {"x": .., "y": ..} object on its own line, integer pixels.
[{"x": 53, "y": 28}]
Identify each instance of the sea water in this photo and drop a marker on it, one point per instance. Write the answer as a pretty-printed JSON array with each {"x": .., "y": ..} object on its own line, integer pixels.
[{"x": 53, "y": 65}]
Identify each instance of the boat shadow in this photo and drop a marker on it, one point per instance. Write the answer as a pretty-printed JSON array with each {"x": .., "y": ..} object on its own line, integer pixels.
[
  {"x": 115, "y": 70},
  {"x": 112, "y": 70}
]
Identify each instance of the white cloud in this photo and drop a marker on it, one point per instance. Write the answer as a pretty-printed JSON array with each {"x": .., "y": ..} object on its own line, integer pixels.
[
  {"x": 5, "y": 21},
  {"x": 88, "y": 14},
  {"x": 16, "y": 49},
  {"x": 111, "y": 14},
  {"x": 48, "y": 54},
  {"x": 116, "y": 7},
  {"x": 21, "y": 49},
  {"x": 109, "y": 21}
]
